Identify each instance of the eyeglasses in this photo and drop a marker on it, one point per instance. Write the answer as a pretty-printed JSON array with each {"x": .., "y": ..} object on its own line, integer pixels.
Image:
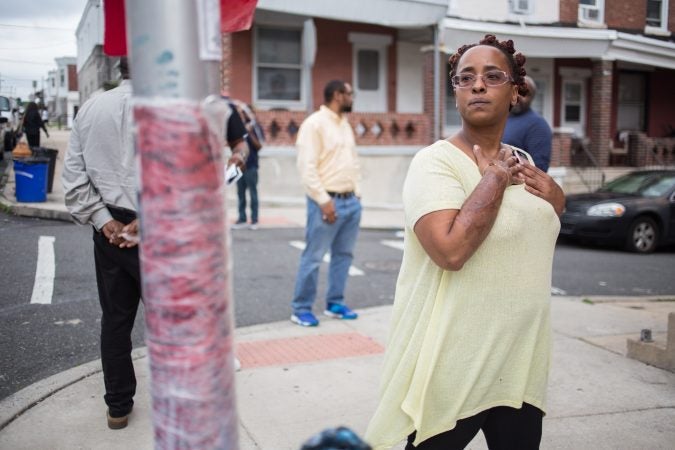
[{"x": 491, "y": 78}]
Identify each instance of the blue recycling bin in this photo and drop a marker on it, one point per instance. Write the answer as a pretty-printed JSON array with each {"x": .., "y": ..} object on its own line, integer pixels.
[{"x": 31, "y": 176}]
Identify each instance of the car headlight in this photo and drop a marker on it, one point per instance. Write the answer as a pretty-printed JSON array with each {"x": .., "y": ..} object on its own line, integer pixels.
[{"x": 607, "y": 210}]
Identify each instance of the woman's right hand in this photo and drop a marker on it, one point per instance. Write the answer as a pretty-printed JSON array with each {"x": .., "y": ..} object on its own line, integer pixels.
[{"x": 505, "y": 164}]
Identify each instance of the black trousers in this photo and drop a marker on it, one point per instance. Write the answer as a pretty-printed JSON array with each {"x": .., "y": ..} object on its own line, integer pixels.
[
  {"x": 33, "y": 138},
  {"x": 119, "y": 291},
  {"x": 504, "y": 428}
]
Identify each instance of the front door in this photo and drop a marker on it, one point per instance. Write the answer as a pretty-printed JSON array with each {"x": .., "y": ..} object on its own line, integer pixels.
[{"x": 370, "y": 78}]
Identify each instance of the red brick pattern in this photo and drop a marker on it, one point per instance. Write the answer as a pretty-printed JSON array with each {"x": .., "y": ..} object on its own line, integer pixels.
[
  {"x": 226, "y": 63},
  {"x": 626, "y": 15},
  {"x": 561, "y": 149},
  {"x": 429, "y": 90},
  {"x": 601, "y": 113},
  {"x": 569, "y": 10},
  {"x": 648, "y": 151},
  {"x": 413, "y": 129},
  {"x": 276, "y": 352},
  {"x": 72, "y": 77}
]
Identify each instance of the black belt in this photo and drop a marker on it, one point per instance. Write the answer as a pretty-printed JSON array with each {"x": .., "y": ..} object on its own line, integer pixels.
[
  {"x": 124, "y": 215},
  {"x": 341, "y": 194}
]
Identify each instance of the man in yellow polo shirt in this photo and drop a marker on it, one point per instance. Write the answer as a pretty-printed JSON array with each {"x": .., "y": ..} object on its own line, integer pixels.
[{"x": 330, "y": 173}]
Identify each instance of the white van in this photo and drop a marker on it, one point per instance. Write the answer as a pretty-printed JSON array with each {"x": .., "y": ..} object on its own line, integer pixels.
[{"x": 9, "y": 118}]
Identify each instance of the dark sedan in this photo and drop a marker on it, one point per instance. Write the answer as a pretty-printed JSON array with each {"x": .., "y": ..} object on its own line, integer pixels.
[{"x": 636, "y": 210}]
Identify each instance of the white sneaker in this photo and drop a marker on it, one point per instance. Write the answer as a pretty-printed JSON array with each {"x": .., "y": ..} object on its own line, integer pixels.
[
  {"x": 254, "y": 226},
  {"x": 237, "y": 364},
  {"x": 239, "y": 225}
]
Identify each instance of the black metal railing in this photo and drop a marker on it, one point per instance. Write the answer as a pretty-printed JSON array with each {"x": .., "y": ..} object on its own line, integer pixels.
[{"x": 588, "y": 169}]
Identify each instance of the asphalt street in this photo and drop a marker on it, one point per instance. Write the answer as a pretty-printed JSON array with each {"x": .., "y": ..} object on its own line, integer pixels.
[{"x": 39, "y": 340}]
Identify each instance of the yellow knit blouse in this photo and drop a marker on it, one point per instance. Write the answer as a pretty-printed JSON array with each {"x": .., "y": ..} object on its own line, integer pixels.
[{"x": 465, "y": 341}]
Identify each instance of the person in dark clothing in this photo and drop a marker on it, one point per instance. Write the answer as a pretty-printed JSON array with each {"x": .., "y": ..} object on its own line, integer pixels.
[
  {"x": 249, "y": 180},
  {"x": 99, "y": 182},
  {"x": 527, "y": 130},
  {"x": 32, "y": 122}
]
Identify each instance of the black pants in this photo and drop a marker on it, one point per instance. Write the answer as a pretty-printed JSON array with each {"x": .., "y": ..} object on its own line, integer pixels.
[
  {"x": 33, "y": 138},
  {"x": 119, "y": 291},
  {"x": 504, "y": 428}
]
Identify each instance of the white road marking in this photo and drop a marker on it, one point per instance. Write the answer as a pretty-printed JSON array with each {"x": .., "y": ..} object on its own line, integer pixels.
[
  {"x": 557, "y": 291},
  {"x": 393, "y": 244},
  {"x": 353, "y": 270},
  {"x": 68, "y": 322},
  {"x": 400, "y": 234},
  {"x": 43, "y": 289}
]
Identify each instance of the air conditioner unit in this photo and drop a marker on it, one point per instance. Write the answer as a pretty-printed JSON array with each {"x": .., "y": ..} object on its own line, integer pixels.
[
  {"x": 520, "y": 6},
  {"x": 588, "y": 13}
]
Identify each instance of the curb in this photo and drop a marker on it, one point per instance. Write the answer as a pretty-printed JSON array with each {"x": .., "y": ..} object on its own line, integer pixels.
[{"x": 20, "y": 402}]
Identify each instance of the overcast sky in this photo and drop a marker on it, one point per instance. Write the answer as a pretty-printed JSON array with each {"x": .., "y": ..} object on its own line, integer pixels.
[{"x": 32, "y": 34}]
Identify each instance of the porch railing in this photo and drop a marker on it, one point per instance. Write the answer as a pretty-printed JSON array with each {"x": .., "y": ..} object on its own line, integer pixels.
[{"x": 585, "y": 164}]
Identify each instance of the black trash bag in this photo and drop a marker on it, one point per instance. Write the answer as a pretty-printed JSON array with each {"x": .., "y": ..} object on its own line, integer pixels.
[{"x": 340, "y": 438}]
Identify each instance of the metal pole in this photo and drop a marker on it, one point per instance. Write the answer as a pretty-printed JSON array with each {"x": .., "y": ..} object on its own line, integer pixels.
[{"x": 185, "y": 267}]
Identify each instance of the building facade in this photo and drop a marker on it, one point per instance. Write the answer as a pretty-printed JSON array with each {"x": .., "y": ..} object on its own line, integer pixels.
[
  {"x": 605, "y": 69},
  {"x": 61, "y": 94},
  {"x": 96, "y": 71},
  {"x": 383, "y": 48}
]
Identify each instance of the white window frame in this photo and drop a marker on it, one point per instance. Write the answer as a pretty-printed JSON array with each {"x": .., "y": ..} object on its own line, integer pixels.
[
  {"x": 268, "y": 103},
  {"x": 599, "y": 6},
  {"x": 577, "y": 76},
  {"x": 663, "y": 29},
  {"x": 514, "y": 7}
]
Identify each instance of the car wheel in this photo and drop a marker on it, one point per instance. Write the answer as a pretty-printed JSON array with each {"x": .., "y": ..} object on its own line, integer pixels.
[
  {"x": 9, "y": 142},
  {"x": 643, "y": 235}
]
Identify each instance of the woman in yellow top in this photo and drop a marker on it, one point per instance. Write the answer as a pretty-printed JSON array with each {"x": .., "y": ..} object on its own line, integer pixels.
[{"x": 470, "y": 340}]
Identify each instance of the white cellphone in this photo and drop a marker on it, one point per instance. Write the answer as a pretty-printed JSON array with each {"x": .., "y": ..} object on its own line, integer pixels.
[{"x": 232, "y": 173}]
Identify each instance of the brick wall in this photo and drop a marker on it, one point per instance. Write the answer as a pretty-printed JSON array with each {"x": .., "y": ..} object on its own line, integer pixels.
[
  {"x": 601, "y": 113},
  {"x": 395, "y": 129},
  {"x": 333, "y": 60},
  {"x": 72, "y": 77},
  {"x": 569, "y": 10},
  {"x": 626, "y": 15},
  {"x": 429, "y": 90},
  {"x": 561, "y": 149},
  {"x": 647, "y": 151},
  {"x": 226, "y": 63},
  {"x": 671, "y": 16}
]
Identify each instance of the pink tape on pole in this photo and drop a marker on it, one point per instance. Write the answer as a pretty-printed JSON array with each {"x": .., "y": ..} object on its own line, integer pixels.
[{"x": 186, "y": 287}]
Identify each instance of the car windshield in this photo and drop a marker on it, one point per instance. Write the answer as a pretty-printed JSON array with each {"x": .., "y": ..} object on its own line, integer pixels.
[
  {"x": 4, "y": 104},
  {"x": 643, "y": 184}
]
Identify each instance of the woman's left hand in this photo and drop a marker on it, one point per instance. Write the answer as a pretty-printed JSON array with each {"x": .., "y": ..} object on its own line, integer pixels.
[{"x": 539, "y": 183}]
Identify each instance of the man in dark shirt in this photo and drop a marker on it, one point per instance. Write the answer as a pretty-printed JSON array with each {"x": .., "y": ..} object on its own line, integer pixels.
[
  {"x": 529, "y": 131},
  {"x": 236, "y": 138}
]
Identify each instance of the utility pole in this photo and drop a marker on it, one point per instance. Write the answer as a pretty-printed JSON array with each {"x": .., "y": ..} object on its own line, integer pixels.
[{"x": 185, "y": 255}]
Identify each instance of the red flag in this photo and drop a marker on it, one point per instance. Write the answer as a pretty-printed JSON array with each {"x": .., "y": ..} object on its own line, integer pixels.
[
  {"x": 115, "y": 30},
  {"x": 235, "y": 15}
]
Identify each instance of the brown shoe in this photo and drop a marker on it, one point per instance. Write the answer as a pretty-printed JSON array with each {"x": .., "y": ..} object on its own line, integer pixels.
[{"x": 117, "y": 423}]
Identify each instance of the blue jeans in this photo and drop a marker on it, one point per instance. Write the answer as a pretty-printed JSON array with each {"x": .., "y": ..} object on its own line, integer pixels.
[
  {"x": 248, "y": 180},
  {"x": 320, "y": 236}
]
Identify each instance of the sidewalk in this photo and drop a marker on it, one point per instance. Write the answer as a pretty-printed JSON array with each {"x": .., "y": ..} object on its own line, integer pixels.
[{"x": 598, "y": 398}]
